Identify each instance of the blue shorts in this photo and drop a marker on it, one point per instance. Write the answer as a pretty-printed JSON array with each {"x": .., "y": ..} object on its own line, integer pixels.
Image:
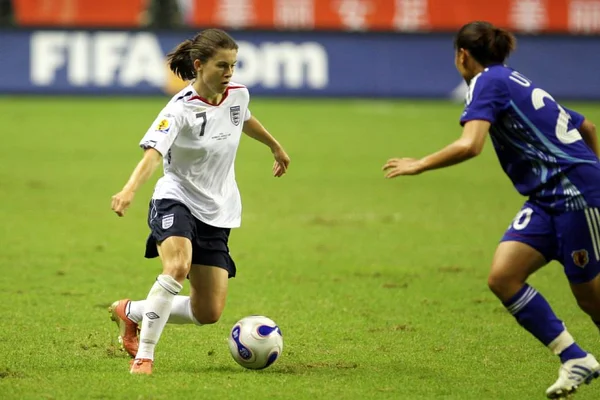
[
  {"x": 569, "y": 237},
  {"x": 168, "y": 217}
]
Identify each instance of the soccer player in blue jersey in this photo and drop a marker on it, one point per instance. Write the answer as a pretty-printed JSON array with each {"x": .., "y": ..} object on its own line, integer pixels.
[{"x": 550, "y": 153}]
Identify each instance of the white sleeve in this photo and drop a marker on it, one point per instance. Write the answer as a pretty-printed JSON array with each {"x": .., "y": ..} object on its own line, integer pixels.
[
  {"x": 248, "y": 114},
  {"x": 164, "y": 130}
]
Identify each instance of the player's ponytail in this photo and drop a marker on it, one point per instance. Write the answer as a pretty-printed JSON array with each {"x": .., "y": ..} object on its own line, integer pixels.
[
  {"x": 180, "y": 61},
  {"x": 202, "y": 47},
  {"x": 502, "y": 44},
  {"x": 485, "y": 43}
]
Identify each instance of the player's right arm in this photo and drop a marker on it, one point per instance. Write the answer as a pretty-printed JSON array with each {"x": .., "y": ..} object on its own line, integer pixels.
[
  {"x": 588, "y": 132},
  {"x": 586, "y": 128},
  {"x": 156, "y": 143},
  {"x": 142, "y": 172}
]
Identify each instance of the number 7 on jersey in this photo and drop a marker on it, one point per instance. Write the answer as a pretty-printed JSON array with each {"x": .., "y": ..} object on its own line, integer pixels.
[{"x": 203, "y": 126}]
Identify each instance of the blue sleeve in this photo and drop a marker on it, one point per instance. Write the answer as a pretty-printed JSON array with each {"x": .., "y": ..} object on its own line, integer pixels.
[
  {"x": 486, "y": 98},
  {"x": 576, "y": 118}
]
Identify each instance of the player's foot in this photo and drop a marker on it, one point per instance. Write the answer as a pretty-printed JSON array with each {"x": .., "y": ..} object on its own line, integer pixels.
[
  {"x": 141, "y": 366},
  {"x": 572, "y": 374},
  {"x": 128, "y": 330}
]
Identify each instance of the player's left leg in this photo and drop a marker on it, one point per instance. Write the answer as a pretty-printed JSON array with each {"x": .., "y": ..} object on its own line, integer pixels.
[
  {"x": 128, "y": 327},
  {"x": 529, "y": 243},
  {"x": 208, "y": 293},
  {"x": 513, "y": 263},
  {"x": 212, "y": 266},
  {"x": 204, "y": 305},
  {"x": 129, "y": 313}
]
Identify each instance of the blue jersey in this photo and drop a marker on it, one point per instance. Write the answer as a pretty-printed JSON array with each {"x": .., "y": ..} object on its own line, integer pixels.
[{"x": 536, "y": 139}]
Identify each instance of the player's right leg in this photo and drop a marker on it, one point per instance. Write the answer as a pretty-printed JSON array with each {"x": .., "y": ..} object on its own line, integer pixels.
[
  {"x": 588, "y": 298},
  {"x": 583, "y": 370},
  {"x": 580, "y": 240},
  {"x": 580, "y": 257},
  {"x": 172, "y": 229},
  {"x": 176, "y": 256}
]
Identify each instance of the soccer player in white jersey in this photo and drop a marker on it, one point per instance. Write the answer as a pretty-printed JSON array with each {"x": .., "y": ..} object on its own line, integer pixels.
[{"x": 197, "y": 202}]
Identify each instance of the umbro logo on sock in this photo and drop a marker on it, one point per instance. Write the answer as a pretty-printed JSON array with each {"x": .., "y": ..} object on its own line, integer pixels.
[{"x": 152, "y": 315}]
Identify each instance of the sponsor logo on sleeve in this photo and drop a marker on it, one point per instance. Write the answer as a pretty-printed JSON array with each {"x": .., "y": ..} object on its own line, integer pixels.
[{"x": 163, "y": 126}]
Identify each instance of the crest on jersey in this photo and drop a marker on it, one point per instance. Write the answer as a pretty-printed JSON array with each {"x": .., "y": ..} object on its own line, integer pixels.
[
  {"x": 235, "y": 112},
  {"x": 163, "y": 126},
  {"x": 167, "y": 221},
  {"x": 581, "y": 258}
]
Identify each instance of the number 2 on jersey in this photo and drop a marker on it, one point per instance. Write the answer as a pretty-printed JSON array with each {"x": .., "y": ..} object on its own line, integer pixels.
[
  {"x": 203, "y": 126},
  {"x": 537, "y": 98}
]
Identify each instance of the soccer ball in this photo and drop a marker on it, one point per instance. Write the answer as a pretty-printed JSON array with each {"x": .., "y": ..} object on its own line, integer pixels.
[{"x": 255, "y": 342}]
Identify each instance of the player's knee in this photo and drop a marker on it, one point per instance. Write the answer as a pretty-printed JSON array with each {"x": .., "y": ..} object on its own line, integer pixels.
[
  {"x": 207, "y": 311},
  {"x": 178, "y": 267},
  {"x": 208, "y": 316},
  {"x": 502, "y": 285},
  {"x": 496, "y": 284}
]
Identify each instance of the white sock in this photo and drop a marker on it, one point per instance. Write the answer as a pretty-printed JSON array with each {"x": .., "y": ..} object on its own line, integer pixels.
[
  {"x": 181, "y": 311},
  {"x": 156, "y": 313}
]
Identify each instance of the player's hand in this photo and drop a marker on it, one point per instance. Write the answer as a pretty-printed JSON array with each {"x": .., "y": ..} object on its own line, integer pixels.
[
  {"x": 121, "y": 201},
  {"x": 402, "y": 166},
  {"x": 282, "y": 161}
]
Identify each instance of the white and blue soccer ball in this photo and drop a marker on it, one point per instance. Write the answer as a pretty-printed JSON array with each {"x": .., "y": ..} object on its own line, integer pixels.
[{"x": 255, "y": 342}]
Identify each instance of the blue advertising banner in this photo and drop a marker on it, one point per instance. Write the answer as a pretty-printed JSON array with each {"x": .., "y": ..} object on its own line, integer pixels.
[{"x": 284, "y": 63}]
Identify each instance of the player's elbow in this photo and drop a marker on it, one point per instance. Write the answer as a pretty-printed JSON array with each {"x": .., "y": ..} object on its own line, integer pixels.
[
  {"x": 475, "y": 150},
  {"x": 470, "y": 149}
]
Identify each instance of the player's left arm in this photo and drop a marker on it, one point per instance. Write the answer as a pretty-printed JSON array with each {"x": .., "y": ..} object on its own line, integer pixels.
[
  {"x": 469, "y": 145},
  {"x": 253, "y": 128},
  {"x": 487, "y": 95},
  {"x": 257, "y": 131}
]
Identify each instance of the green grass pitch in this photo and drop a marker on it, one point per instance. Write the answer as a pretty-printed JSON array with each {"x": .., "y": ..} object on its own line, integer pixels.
[{"x": 379, "y": 286}]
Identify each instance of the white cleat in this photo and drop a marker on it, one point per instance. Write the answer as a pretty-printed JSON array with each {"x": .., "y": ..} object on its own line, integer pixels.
[{"x": 573, "y": 374}]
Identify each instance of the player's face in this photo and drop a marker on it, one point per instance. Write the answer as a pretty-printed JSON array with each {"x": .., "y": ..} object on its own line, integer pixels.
[
  {"x": 463, "y": 63},
  {"x": 218, "y": 70}
]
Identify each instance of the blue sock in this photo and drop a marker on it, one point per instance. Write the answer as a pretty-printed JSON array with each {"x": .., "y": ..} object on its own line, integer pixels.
[{"x": 534, "y": 314}]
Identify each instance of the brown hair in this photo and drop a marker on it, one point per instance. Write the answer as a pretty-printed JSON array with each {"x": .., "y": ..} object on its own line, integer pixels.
[
  {"x": 202, "y": 47},
  {"x": 486, "y": 43}
]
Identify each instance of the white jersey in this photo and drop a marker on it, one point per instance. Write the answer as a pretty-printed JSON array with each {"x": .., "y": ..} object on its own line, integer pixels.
[{"x": 199, "y": 142}]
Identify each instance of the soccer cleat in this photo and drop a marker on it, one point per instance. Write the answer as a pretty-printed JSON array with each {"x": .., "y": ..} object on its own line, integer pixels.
[
  {"x": 572, "y": 374},
  {"x": 141, "y": 366},
  {"x": 128, "y": 330}
]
